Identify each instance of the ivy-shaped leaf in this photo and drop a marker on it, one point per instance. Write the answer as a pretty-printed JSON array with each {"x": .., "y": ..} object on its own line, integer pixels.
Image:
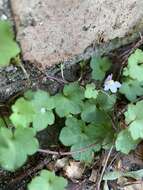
[
  {"x": 70, "y": 100},
  {"x": 105, "y": 101},
  {"x": 87, "y": 155},
  {"x": 47, "y": 181},
  {"x": 109, "y": 137},
  {"x": 29, "y": 95},
  {"x": 132, "y": 89},
  {"x": 99, "y": 67},
  {"x": 73, "y": 132},
  {"x": 97, "y": 110},
  {"x": 78, "y": 135},
  {"x": 43, "y": 104},
  {"x": 90, "y": 113},
  {"x": 23, "y": 113},
  {"x": 125, "y": 142},
  {"x": 16, "y": 146},
  {"x": 35, "y": 108},
  {"x": 8, "y": 47},
  {"x": 134, "y": 68},
  {"x": 90, "y": 91},
  {"x": 134, "y": 118},
  {"x": 2, "y": 123},
  {"x": 132, "y": 85}
]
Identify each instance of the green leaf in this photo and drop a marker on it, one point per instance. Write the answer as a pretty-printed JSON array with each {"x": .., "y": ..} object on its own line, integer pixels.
[
  {"x": 15, "y": 147},
  {"x": 134, "y": 68},
  {"x": 99, "y": 67},
  {"x": 90, "y": 113},
  {"x": 43, "y": 104},
  {"x": 47, "y": 181},
  {"x": 36, "y": 110},
  {"x": 90, "y": 91},
  {"x": 25, "y": 138},
  {"x": 87, "y": 153},
  {"x": 125, "y": 142},
  {"x": 42, "y": 119},
  {"x": 23, "y": 113},
  {"x": 134, "y": 118},
  {"x": 133, "y": 112},
  {"x": 70, "y": 101},
  {"x": 78, "y": 135},
  {"x": 105, "y": 101},
  {"x": 42, "y": 99},
  {"x": 73, "y": 132},
  {"x": 8, "y": 47},
  {"x": 136, "y": 129},
  {"x": 29, "y": 95},
  {"x": 109, "y": 137},
  {"x": 132, "y": 89},
  {"x": 2, "y": 123},
  {"x": 74, "y": 90}
]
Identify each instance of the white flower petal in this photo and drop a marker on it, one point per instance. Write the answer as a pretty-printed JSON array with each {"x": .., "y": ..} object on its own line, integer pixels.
[
  {"x": 106, "y": 87},
  {"x": 113, "y": 88},
  {"x": 111, "y": 85},
  {"x": 118, "y": 85}
]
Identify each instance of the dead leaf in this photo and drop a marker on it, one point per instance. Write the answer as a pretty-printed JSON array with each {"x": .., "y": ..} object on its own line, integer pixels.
[
  {"x": 105, "y": 186},
  {"x": 134, "y": 187},
  {"x": 93, "y": 176},
  {"x": 50, "y": 166},
  {"x": 61, "y": 163},
  {"x": 74, "y": 170},
  {"x": 121, "y": 181}
]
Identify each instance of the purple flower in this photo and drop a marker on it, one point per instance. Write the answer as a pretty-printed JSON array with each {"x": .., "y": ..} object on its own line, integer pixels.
[{"x": 111, "y": 85}]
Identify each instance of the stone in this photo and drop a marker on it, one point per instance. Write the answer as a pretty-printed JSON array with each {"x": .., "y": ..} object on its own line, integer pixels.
[
  {"x": 1, "y": 4},
  {"x": 5, "y": 13},
  {"x": 54, "y": 31}
]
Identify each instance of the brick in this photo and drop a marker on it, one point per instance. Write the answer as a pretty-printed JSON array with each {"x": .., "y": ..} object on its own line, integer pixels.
[{"x": 51, "y": 31}]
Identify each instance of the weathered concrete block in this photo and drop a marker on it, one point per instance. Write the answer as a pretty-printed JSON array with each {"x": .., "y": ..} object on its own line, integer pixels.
[{"x": 52, "y": 31}]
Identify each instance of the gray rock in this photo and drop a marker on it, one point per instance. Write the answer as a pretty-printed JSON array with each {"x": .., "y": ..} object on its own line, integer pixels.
[
  {"x": 54, "y": 31},
  {"x": 5, "y": 10}
]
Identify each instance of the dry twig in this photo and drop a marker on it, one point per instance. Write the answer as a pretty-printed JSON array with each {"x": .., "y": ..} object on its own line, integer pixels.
[
  {"x": 67, "y": 153},
  {"x": 104, "y": 168}
]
